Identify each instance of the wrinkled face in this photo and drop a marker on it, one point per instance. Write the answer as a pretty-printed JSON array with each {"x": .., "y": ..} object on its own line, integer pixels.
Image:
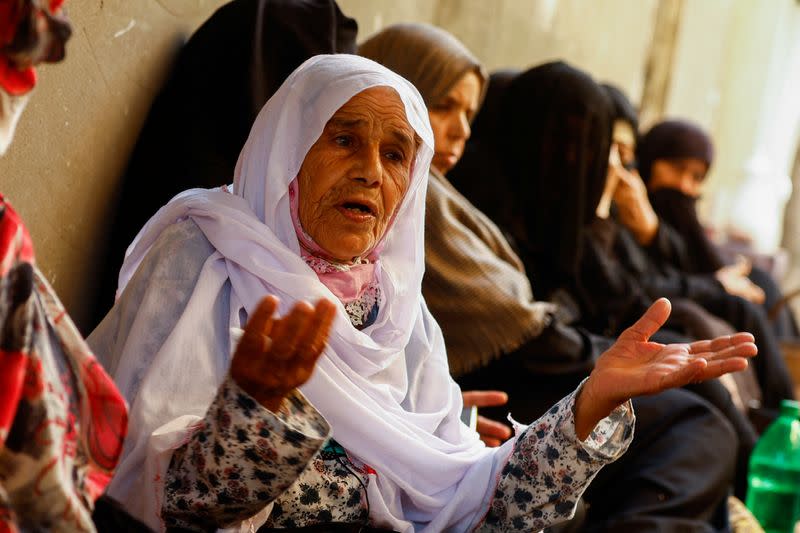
[
  {"x": 354, "y": 177},
  {"x": 450, "y": 121},
  {"x": 685, "y": 175}
]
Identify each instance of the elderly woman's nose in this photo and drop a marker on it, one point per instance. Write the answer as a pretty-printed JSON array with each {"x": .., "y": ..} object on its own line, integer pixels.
[{"x": 368, "y": 168}]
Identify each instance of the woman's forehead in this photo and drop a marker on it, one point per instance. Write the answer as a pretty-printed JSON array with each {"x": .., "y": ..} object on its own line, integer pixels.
[{"x": 379, "y": 107}]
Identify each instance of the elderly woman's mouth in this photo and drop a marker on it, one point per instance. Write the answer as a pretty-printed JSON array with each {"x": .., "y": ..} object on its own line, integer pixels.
[{"x": 359, "y": 211}]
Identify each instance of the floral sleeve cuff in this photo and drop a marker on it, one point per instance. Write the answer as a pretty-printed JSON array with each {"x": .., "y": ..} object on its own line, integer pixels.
[
  {"x": 240, "y": 457},
  {"x": 611, "y": 436},
  {"x": 550, "y": 467}
]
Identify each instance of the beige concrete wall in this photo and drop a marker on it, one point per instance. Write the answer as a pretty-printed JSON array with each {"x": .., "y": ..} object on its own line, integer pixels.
[
  {"x": 608, "y": 38},
  {"x": 80, "y": 125}
]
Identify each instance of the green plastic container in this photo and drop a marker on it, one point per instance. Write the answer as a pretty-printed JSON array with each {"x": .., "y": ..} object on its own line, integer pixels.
[{"x": 773, "y": 495}]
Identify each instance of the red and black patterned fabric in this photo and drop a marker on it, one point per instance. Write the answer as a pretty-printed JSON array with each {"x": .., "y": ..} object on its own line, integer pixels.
[{"x": 62, "y": 419}]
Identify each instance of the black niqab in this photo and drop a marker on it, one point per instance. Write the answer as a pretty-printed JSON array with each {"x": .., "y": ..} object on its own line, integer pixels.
[
  {"x": 477, "y": 175},
  {"x": 680, "y": 211},
  {"x": 549, "y": 149}
]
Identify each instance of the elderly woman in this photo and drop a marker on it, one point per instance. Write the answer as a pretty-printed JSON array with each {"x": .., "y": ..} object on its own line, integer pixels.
[
  {"x": 62, "y": 420},
  {"x": 327, "y": 205},
  {"x": 498, "y": 336}
]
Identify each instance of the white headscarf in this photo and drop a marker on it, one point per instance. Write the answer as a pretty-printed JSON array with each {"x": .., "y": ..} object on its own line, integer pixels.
[{"x": 385, "y": 390}]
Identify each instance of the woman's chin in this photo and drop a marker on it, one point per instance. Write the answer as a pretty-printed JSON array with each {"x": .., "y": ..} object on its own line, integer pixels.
[
  {"x": 443, "y": 166},
  {"x": 345, "y": 249}
]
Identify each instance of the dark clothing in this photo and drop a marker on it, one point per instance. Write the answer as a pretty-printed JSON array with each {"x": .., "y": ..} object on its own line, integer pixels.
[
  {"x": 681, "y": 442},
  {"x": 551, "y": 149},
  {"x": 540, "y": 176},
  {"x": 678, "y": 210},
  {"x": 655, "y": 265},
  {"x": 697, "y": 258},
  {"x": 200, "y": 120},
  {"x": 109, "y": 515},
  {"x": 657, "y": 274}
]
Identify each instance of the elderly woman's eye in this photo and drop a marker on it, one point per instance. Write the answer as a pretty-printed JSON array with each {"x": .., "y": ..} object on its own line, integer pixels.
[
  {"x": 343, "y": 140},
  {"x": 395, "y": 155}
]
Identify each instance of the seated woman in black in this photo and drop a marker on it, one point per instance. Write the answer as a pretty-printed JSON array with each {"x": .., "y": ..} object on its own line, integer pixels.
[
  {"x": 674, "y": 159},
  {"x": 682, "y": 263}
]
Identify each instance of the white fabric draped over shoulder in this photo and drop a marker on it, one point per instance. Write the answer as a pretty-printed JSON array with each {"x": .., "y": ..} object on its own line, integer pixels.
[{"x": 386, "y": 390}]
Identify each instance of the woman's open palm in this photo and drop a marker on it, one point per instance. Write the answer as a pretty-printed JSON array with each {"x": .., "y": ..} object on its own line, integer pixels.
[
  {"x": 277, "y": 355},
  {"x": 634, "y": 366}
]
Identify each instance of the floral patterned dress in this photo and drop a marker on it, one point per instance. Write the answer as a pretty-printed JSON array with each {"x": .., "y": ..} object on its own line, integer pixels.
[
  {"x": 62, "y": 420},
  {"x": 243, "y": 457}
]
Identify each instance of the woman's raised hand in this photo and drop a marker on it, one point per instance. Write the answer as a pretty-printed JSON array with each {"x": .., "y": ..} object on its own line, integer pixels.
[
  {"x": 277, "y": 355},
  {"x": 633, "y": 366},
  {"x": 633, "y": 206}
]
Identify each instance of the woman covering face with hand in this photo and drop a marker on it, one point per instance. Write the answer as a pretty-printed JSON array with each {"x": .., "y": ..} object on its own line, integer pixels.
[
  {"x": 675, "y": 157},
  {"x": 328, "y": 206}
]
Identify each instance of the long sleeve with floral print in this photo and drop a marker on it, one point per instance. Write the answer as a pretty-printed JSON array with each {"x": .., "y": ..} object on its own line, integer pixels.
[
  {"x": 240, "y": 458},
  {"x": 243, "y": 456},
  {"x": 550, "y": 468}
]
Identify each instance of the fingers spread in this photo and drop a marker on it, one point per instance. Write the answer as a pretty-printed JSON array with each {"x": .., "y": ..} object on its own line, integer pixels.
[
  {"x": 261, "y": 321},
  {"x": 649, "y": 323},
  {"x": 720, "y": 343},
  {"x": 716, "y": 369},
  {"x": 484, "y": 398},
  {"x": 313, "y": 339},
  {"x": 747, "y": 349}
]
